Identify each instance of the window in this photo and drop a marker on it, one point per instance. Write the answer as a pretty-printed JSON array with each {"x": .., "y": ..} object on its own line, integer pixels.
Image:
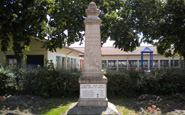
[
  {"x": 132, "y": 63},
  {"x": 145, "y": 64},
  {"x": 104, "y": 64},
  {"x": 11, "y": 59},
  {"x": 71, "y": 62},
  {"x": 74, "y": 62},
  {"x": 122, "y": 63},
  {"x": 164, "y": 63},
  {"x": 68, "y": 63},
  {"x": 35, "y": 60},
  {"x": 63, "y": 62},
  {"x": 57, "y": 60},
  {"x": 112, "y": 64},
  {"x": 174, "y": 63},
  {"x": 155, "y": 63}
]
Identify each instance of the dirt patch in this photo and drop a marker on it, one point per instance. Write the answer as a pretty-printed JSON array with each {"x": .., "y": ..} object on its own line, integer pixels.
[
  {"x": 22, "y": 104},
  {"x": 144, "y": 104}
]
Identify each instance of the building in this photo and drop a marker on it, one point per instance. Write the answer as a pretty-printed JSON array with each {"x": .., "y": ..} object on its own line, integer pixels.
[
  {"x": 63, "y": 58},
  {"x": 115, "y": 59},
  {"x": 72, "y": 57}
]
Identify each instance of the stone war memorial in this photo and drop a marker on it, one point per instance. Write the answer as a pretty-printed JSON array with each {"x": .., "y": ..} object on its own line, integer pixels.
[{"x": 93, "y": 84}]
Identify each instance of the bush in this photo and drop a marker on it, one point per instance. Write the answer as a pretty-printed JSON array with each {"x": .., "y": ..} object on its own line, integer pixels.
[
  {"x": 39, "y": 81},
  {"x": 132, "y": 83},
  {"x": 122, "y": 83},
  {"x": 172, "y": 81},
  {"x": 49, "y": 82},
  {"x": 8, "y": 83},
  {"x": 4, "y": 75}
]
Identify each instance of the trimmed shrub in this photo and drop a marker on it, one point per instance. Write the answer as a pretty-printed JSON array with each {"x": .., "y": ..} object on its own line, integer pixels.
[
  {"x": 122, "y": 83},
  {"x": 133, "y": 83},
  {"x": 39, "y": 81},
  {"x": 172, "y": 81},
  {"x": 49, "y": 82}
]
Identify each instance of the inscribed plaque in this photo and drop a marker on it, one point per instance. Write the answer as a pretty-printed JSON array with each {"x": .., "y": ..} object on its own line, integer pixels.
[{"x": 93, "y": 90}]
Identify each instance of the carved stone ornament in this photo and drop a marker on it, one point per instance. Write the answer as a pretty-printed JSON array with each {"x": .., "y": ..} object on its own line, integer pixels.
[{"x": 92, "y": 13}]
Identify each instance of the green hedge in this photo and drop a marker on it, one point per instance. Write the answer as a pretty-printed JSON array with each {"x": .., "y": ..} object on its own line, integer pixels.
[
  {"x": 122, "y": 83},
  {"x": 46, "y": 82},
  {"x": 133, "y": 83},
  {"x": 49, "y": 82}
]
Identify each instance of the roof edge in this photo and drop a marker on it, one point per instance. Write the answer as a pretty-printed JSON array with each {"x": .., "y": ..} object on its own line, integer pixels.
[{"x": 73, "y": 49}]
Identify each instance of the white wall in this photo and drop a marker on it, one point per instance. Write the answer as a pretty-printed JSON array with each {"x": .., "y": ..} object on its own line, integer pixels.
[
  {"x": 66, "y": 53},
  {"x": 35, "y": 49}
]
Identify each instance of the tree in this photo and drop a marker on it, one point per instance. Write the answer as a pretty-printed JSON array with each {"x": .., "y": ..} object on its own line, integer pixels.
[
  {"x": 122, "y": 21},
  {"x": 20, "y": 20},
  {"x": 160, "y": 21},
  {"x": 66, "y": 24},
  {"x": 66, "y": 21},
  {"x": 171, "y": 28}
]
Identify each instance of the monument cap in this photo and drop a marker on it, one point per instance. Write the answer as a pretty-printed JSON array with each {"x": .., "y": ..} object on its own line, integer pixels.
[{"x": 92, "y": 10}]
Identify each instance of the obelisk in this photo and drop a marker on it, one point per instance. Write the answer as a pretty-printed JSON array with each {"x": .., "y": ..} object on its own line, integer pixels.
[{"x": 93, "y": 84}]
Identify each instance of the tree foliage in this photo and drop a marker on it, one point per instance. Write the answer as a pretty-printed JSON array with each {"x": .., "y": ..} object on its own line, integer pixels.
[
  {"x": 171, "y": 28},
  {"x": 122, "y": 21},
  {"x": 161, "y": 22},
  {"x": 20, "y": 20},
  {"x": 66, "y": 21}
]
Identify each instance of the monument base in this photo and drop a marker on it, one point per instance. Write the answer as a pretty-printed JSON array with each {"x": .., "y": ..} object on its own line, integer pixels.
[
  {"x": 93, "y": 102},
  {"x": 82, "y": 110}
]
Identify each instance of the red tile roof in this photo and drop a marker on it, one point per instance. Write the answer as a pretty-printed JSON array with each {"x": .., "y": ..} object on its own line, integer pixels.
[{"x": 111, "y": 51}]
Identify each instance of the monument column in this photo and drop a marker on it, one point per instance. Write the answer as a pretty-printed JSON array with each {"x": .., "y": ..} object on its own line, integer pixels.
[{"x": 93, "y": 84}]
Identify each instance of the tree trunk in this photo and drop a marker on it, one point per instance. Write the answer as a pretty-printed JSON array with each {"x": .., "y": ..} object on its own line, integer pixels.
[{"x": 19, "y": 59}]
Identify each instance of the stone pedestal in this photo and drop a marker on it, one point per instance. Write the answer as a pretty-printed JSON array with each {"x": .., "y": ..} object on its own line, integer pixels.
[
  {"x": 93, "y": 95},
  {"x": 93, "y": 88},
  {"x": 93, "y": 84},
  {"x": 81, "y": 110}
]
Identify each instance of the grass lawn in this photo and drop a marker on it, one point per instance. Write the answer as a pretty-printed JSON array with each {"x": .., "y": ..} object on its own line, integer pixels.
[
  {"x": 56, "y": 108},
  {"x": 123, "y": 106},
  {"x": 53, "y": 106}
]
